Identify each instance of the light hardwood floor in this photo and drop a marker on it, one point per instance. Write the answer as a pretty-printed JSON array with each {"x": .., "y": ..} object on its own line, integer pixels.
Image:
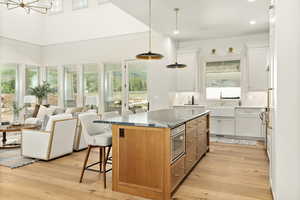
[{"x": 228, "y": 172}]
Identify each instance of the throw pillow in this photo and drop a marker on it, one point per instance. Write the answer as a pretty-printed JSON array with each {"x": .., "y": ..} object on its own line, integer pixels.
[{"x": 42, "y": 112}]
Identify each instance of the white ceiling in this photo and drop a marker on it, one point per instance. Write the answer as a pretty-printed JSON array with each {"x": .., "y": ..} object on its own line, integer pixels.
[{"x": 202, "y": 19}]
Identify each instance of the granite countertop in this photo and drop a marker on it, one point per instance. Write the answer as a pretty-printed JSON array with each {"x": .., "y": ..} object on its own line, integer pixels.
[{"x": 167, "y": 118}]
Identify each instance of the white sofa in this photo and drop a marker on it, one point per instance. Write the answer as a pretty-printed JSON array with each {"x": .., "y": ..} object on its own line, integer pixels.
[{"x": 56, "y": 140}]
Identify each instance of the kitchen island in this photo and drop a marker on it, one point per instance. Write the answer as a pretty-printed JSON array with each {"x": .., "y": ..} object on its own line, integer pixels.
[{"x": 153, "y": 152}]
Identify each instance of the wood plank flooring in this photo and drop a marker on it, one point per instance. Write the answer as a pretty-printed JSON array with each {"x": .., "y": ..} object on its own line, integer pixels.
[{"x": 228, "y": 172}]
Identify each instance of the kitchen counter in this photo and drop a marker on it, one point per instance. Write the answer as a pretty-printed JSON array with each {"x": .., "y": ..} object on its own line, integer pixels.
[
  {"x": 166, "y": 118},
  {"x": 150, "y": 158}
]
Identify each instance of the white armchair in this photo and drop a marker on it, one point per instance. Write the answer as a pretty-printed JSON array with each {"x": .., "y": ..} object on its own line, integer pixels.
[
  {"x": 55, "y": 141},
  {"x": 79, "y": 141}
]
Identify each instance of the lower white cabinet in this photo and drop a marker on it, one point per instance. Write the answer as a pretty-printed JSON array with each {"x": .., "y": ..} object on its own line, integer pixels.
[
  {"x": 222, "y": 125},
  {"x": 248, "y": 123}
]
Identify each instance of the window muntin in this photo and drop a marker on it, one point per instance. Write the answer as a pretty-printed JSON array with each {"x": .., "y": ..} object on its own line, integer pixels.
[{"x": 223, "y": 80}]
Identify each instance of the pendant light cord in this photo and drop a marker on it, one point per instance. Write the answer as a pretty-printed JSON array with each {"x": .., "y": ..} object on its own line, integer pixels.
[
  {"x": 176, "y": 51},
  {"x": 176, "y": 10},
  {"x": 150, "y": 25}
]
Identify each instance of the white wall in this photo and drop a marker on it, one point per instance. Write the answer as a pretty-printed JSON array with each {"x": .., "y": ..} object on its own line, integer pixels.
[
  {"x": 16, "y": 24},
  {"x": 97, "y": 21},
  {"x": 286, "y": 182},
  {"x": 13, "y": 51},
  {"x": 118, "y": 49}
]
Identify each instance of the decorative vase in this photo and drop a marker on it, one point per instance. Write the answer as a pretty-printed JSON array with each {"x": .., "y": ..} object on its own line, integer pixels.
[{"x": 16, "y": 117}]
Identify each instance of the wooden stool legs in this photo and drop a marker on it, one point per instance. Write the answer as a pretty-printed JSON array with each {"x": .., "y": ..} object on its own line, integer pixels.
[
  {"x": 85, "y": 162},
  {"x": 103, "y": 158}
]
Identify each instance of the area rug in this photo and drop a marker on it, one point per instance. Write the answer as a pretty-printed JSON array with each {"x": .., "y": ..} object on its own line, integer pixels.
[
  {"x": 12, "y": 158},
  {"x": 232, "y": 141}
]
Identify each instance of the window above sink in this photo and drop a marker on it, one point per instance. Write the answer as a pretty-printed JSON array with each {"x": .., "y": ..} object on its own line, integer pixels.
[{"x": 223, "y": 80}]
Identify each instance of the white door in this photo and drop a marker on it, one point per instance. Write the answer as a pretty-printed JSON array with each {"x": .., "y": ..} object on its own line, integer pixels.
[{"x": 135, "y": 86}]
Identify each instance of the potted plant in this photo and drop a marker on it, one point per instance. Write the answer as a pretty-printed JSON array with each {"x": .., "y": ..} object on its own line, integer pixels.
[{"x": 41, "y": 91}]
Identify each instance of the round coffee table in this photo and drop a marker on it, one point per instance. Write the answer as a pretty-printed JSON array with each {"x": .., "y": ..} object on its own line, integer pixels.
[{"x": 13, "y": 128}]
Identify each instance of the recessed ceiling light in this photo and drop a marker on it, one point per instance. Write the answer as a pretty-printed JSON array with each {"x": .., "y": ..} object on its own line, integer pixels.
[
  {"x": 252, "y": 22},
  {"x": 251, "y": 0}
]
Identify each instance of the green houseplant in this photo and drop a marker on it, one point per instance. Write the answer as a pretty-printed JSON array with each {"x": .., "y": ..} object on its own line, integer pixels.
[{"x": 41, "y": 91}]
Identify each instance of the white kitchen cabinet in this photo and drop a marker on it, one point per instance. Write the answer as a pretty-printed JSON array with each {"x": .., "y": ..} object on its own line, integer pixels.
[
  {"x": 257, "y": 68},
  {"x": 248, "y": 123},
  {"x": 186, "y": 77},
  {"x": 222, "y": 126}
]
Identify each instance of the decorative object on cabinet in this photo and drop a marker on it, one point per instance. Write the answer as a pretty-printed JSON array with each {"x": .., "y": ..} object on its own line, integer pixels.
[
  {"x": 176, "y": 65},
  {"x": 36, "y": 5},
  {"x": 213, "y": 51},
  {"x": 149, "y": 55},
  {"x": 230, "y": 50}
]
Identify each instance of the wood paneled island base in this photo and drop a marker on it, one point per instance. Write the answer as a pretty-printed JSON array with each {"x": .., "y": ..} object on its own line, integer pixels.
[{"x": 142, "y": 163}]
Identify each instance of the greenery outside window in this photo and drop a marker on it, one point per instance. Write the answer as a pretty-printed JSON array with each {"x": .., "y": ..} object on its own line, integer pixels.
[
  {"x": 91, "y": 80},
  {"x": 32, "y": 78},
  {"x": 8, "y": 87},
  {"x": 52, "y": 79},
  {"x": 137, "y": 86}
]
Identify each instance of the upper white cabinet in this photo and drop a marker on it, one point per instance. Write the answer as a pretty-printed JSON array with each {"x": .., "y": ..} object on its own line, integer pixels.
[
  {"x": 186, "y": 77},
  {"x": 257, "y": 58}
]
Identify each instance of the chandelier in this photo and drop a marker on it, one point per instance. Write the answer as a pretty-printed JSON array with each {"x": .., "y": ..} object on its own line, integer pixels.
[{"x": 40, "y": 6}]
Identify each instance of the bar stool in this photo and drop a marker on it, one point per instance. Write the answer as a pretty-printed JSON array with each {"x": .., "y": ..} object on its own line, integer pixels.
[{"x": 96, "y": 136}]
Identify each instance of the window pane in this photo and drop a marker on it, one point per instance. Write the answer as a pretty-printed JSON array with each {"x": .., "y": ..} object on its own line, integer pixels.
[
  {"x": 137, "y": 80},
  {"x": 71, "y": 86},
  {"x": 112, "y": 87},
  {"x": 57, "y": 6},
  {"x": 223, "y": 79},
  {"x": 52, "y": 79},
  {"x": 91, "y": 81},
  {"x": 8, "y": 77},
  {"x": 31, "y": 77},
  {"x": 78, "y": 4}
]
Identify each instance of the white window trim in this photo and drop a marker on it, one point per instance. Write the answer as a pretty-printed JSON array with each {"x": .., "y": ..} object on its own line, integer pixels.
[{"x": 220, "y": 59}]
